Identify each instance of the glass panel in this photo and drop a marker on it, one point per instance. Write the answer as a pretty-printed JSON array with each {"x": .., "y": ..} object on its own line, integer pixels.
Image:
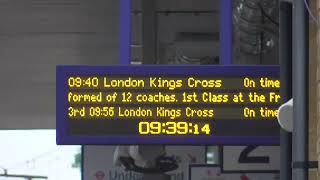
[{"x": 28, "y": 153}]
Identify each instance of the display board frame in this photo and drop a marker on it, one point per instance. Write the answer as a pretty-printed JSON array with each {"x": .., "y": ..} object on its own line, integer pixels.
[{"x": 63, "y": 72}]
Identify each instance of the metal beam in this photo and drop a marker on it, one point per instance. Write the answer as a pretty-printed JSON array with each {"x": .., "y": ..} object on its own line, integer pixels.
[
  {"x": 285, "y": 56},
  {"x": 300, "y": 90}
]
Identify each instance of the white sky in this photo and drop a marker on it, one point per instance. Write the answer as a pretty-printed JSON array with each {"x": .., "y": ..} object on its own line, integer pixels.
[{"x": 34, "y": 152}]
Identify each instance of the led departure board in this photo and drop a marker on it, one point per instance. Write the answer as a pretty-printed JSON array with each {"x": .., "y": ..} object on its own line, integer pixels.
[{"x": 168, "y": 104}]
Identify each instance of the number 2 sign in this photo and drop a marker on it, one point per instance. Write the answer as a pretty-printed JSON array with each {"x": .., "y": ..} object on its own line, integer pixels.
[{"x": 250, "y": 159}]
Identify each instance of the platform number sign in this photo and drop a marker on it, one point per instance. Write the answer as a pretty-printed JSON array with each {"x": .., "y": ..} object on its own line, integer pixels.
[
  {"x": 245, "y": 157},
  {"x": 248, "y": 159}
]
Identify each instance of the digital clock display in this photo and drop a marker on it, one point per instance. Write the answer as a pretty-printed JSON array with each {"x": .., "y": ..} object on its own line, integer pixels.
[
  {"x": 167, "y": 104},
  {"x": 182, "y": 128}
]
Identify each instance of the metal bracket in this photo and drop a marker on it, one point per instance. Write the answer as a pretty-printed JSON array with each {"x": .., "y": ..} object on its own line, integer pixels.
[
  {"x": 305, "y": 165},
  {"x": 289, "y": 1}
]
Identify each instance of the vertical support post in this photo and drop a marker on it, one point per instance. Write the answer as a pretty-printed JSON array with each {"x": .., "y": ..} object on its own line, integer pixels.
[
  {"x": 285, "y": 56},
  {"x": 226, "y": 32},
  {"x": 125, "y": 32},
  {"x": 300, "y": 91},
  {"x": 149, "y": 32}
]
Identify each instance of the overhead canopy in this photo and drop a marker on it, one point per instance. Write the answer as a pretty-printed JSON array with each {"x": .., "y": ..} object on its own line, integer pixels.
[{"x": 38, "y": 35}]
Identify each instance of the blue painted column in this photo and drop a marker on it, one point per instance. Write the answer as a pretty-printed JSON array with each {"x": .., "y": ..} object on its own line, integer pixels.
[
  {"x": 125, "y": 32},
  {"x": 226, "y": 32}
]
